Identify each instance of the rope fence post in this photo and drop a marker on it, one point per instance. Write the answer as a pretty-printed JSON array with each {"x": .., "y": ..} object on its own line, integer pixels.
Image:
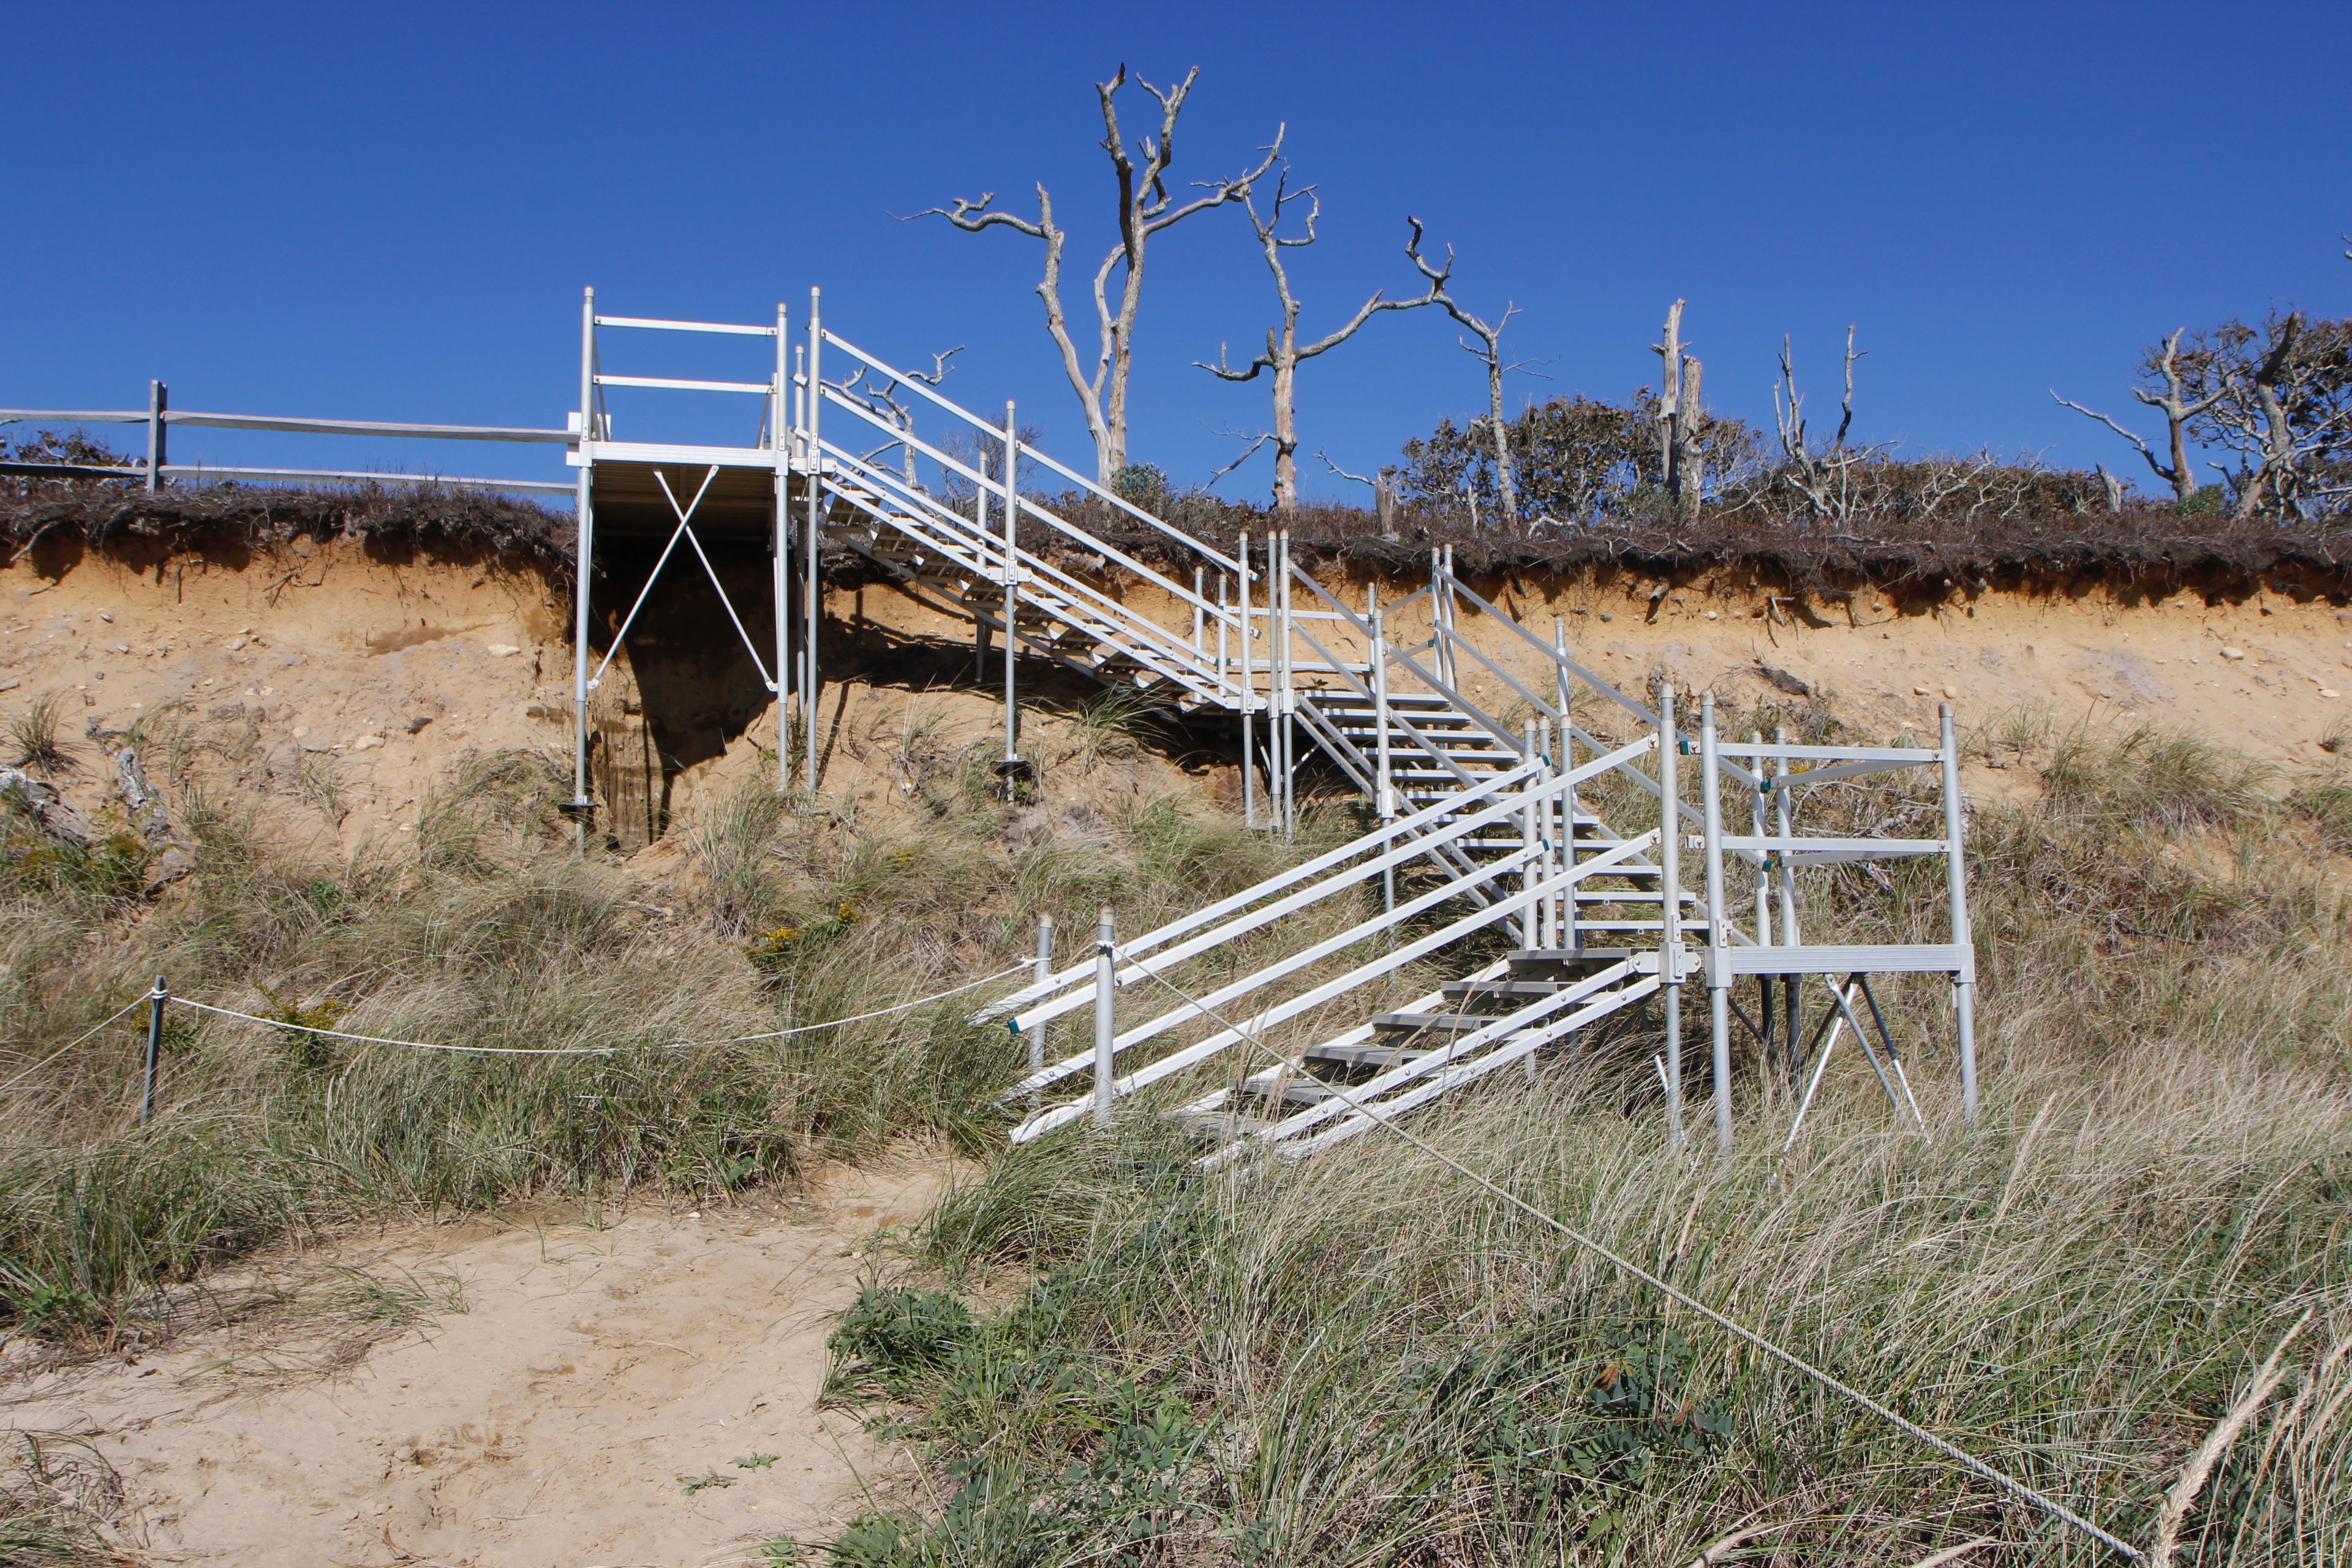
[{"x": 157, "y": 1000}]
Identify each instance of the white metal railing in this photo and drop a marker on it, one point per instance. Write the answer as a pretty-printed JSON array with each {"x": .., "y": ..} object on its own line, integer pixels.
[
  {"x": 1108, "y": 1089},
  {"x": 1524, "y": 796}
]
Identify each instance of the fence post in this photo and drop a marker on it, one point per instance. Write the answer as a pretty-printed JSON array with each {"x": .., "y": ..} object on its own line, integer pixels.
[
  {"x": 158, "y": 400},
  {"x": 1106, "y": 1016},
  {"x": 157, "y": 1000}
]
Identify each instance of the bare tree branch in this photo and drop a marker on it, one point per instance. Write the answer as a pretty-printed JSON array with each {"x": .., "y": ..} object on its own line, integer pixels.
[
  {"x": 1145, "y": 208},
  {"x": 1259, "y": 441},
  {"x": 1824, "y": 480},
  {"x": 2178, "y": 407},
  {"x": 1360, "y": 479},
  {"x": 1488, "y": 351},
  {"x": 1284, "y": 352}
]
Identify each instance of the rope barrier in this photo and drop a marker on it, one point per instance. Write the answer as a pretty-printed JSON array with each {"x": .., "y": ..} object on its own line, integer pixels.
[
  {"x": 1966, "y": 1460},
  {"x": 142, "y": 997},
  {"x": 559, "y": 1051}
]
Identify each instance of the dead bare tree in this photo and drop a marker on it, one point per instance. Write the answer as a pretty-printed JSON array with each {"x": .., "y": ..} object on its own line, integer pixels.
[
  {"x": 1284, "y": 352},
  {"x": 1823, "y": 480},
  {"x": 2285, "y": 409},
  {"x": 882, "y": 399},
  {"x": 2179, "y": 406},
  {"x": 1146, "y": 208},
  {"x": 1488, "y": 352},
  {"x": 1682, "y": 456}
]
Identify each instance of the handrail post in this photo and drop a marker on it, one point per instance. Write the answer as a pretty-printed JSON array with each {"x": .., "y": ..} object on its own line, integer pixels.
[
  {"x": 1530, "y": 869},
  {"x": 1718, "y": 975},
  {"x": 1956, "y": 880},
  {"x": 1106, "y": 1016},
  {"x": 1784, "y": 808},
  {"x": 1011, "y": 585},
  {"x": 812, "y": 543},
  {"x": 1287, "y": 694},
  {"x": 156, "y": 1001},
  {"x": 1044, "y": 977},
  {"x": 1670, "y": 907},
  {"x": 1249, "y": 695}
]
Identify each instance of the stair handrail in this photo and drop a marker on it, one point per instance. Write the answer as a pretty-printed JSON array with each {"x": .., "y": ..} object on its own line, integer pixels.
[
  {"x": 1648, "y": 716},
  {"x": 1540, "y": 790},
  {"x": 1532, "y": 891},
  {"x": 923, "y": 390},
  {"x": 918, "y": 521},
  {"x": 987, "y": 551},
  {"x": 994, "y": 487},
  {"x": 1080, "y": 975},
  {"x": 1687, "y": 741}
]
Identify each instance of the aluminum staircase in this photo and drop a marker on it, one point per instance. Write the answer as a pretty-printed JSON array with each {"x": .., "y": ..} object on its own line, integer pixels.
[{"x": 1301, "y": 1012}]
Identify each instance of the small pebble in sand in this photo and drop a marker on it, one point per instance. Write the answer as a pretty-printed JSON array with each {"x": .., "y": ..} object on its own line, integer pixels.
[
  {"x": 235, "y": 644},
  {"x": 108, "y": 616},
  {"x": 2234, "y": 653},
  {"x": 2328, "y": 692},
  {"x": 367, "y": 743},
  {"x": 501, "y": 650}
]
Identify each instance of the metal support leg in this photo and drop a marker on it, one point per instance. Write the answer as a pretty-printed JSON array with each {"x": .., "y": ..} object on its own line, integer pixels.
[
  {"x": 583, "y": 568},
  {"x": 1957, "y": 879},
  {"x": 1670, "y": 910},
  {"x": 1718, "y": 989},
  {"x": 813, "y": 542},
  {"x": 779, "y": 424}
]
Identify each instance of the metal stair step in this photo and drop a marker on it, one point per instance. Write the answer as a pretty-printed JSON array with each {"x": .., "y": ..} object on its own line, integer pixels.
[
  {"x": 1474, "y": 990},
  {"x": 1536, "y": 961},
  {"x": 1363, "y": 1055},
  {"x": 1429, "y": 1023}
]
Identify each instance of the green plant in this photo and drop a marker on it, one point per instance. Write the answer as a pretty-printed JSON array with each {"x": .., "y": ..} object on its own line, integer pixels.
[
  {"x": 890, "y": 1335},
  {"x": 33, "y": 734}
]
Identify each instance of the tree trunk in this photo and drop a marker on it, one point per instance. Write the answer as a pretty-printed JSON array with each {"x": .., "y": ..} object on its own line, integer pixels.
[
  {"x": 2184, "y": 483},
  {"x": 1286, "y": 435},
  {"x": 1690, "y": 467},
  {"x": 1504, "y": 480}
]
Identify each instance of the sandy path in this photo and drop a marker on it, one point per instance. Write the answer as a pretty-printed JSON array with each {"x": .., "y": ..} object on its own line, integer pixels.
[{"x": 550, "y": 1423}]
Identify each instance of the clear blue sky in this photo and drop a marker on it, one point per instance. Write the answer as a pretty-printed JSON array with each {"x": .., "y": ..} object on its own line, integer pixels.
[{"x": 390, "y": 212}]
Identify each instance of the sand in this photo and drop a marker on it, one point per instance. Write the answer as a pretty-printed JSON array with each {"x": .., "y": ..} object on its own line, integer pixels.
[{"x": 561, "y": 1419}]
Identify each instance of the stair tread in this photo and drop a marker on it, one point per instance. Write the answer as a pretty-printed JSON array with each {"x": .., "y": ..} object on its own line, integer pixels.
[
  {"x": 1368, "y": 1055},
  {"x": 1415, "y": 1022},
  {"x": 1467, "y": 990}
]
